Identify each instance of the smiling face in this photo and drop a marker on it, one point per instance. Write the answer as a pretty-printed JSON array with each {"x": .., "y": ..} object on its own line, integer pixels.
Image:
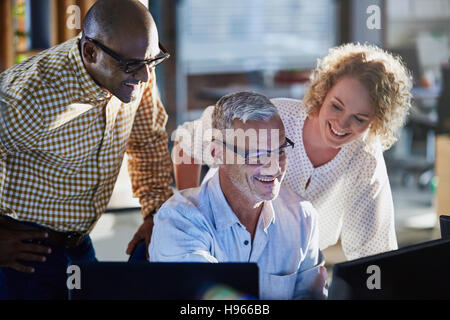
[
  {"x": 108, "y": 72},
  {"x": 258, "y": 182},
  {"x": 346, "y": 113}
]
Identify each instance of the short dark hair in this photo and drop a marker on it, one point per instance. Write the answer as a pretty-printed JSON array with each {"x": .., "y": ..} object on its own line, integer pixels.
[{"x": 107, "y": 17}]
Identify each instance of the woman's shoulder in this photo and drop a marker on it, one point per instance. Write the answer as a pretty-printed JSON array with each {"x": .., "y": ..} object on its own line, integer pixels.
[
  {"x": 288, "y": 106},
  {"x": 293, "y": 114},
  {"x": 367, "y": 160}
]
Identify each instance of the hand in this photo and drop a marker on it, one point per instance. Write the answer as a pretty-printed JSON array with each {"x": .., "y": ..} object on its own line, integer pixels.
[
  {"x": 320, "y": 285},
  {"x": 13, "y": 249},
  {"x": 144, "y": 233}
]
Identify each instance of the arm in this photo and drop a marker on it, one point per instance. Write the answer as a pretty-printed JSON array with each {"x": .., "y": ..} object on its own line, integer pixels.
[
  {"x": 180, "y": 235},
  {"x": 312, "y": 275},
  {"x": 368, "y": 225},
  {"x": 187, "y": 175},
  {"x": 191, "y": 150},
  {"x": 20, "y": 128},
  {"x": 149, "y": 163}
]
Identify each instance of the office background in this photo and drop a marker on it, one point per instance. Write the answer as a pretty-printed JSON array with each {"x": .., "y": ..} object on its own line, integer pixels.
[{"x": 270, "y": 46}]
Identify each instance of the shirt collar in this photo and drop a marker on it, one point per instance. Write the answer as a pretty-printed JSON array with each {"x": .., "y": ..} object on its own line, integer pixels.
[
  {"x": 89, "y": 88},
  {"x": 267, "y": 215},
  {"x": 224, "y": 216}
]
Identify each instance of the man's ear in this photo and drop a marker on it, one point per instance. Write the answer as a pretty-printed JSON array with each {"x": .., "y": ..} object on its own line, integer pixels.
[
  {"x": 89, "y": 52},
  {"x": 216, "y": 154}
]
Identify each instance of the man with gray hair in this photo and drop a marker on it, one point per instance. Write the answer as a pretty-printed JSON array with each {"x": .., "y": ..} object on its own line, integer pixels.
[{"x": 242, "y": 214}]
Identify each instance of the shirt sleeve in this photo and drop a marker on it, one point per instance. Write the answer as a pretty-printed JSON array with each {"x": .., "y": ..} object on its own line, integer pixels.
[
  {"x": 149, "y": 162},
  {"x": 368, "y": 226},
  {"x": 20, "y": 126},
  {"x": 311, "y": 280},
  {"x": 180, "y": 236},
  {"x": 194, "y": 138}
]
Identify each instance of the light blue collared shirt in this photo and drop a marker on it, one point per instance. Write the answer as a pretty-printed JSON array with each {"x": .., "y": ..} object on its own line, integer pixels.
[{"x": 198, "y": 225}]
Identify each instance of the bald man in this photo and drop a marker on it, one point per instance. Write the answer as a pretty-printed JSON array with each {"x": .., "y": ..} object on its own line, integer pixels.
[{"x": 68, "y": 115}]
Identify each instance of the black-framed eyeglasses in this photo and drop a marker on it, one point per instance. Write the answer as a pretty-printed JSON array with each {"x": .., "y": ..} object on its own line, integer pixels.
[
  {"x": 262, "y": 157},
  {"x": 134, "y": 65}
]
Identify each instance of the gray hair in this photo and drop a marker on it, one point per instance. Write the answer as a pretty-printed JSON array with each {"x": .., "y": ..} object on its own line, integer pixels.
[{"x": 242, "y": 106}]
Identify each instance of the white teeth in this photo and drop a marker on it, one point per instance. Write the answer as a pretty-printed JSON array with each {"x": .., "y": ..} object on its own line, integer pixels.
[
  {"x": 265, "y": 179},
  {"x": 337, "y": 133}
]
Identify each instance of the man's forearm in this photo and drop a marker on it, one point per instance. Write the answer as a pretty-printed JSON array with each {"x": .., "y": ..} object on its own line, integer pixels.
[
  {"x": 150, "y": 169},
  {"x": 187, "y": 175}
]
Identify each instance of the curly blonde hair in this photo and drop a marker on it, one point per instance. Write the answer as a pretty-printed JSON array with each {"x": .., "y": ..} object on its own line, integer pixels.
[{"x": 385, "y": 77}]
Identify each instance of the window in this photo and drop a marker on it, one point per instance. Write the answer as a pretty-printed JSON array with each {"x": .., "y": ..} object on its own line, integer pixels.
[{"x": 245, "y": 35}]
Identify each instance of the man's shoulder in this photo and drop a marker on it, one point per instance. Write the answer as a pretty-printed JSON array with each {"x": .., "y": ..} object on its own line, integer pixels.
[
  {"x": 37, "y": 77},
  {"x": 295, "y": 219},
  {"x": 184, "y": 197},
  {"x": 186, "y": 203},
  {"x": 366, "y": 161},
  {"x": 295, "y": 206},
  {"x": 289, "y": 106}
]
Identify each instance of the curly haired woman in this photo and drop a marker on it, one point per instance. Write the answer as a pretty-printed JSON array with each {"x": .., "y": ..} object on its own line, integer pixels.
[{"x": 357, "y": 100}]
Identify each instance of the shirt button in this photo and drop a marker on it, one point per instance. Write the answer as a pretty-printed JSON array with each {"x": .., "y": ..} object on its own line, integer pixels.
[{"x": 246, "y": 242}]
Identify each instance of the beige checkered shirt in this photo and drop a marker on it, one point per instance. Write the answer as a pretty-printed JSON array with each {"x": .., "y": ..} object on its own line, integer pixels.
[{"x": 63, "y": 138}]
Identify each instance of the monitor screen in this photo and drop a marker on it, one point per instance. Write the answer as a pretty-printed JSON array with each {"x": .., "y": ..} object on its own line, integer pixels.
[
  {"x": 415, "y": 272},
  {"x": 164, "y": 281},
  {"x": 445, "y": 226}
]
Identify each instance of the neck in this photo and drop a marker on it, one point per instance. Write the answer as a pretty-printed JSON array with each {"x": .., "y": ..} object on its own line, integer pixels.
[
  {"x": 317, "y": 151},
  {"x": 312, "y": 134},
  {"x": 246, "y": 209}
]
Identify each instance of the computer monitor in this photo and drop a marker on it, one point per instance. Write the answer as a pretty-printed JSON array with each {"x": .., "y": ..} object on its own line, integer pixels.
[
  {"x": 164, "y": 281},
  {"x": 415, "y": 272},
  {"x": 445, "y": 226},
  {"x": 443, "y": 107}
]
